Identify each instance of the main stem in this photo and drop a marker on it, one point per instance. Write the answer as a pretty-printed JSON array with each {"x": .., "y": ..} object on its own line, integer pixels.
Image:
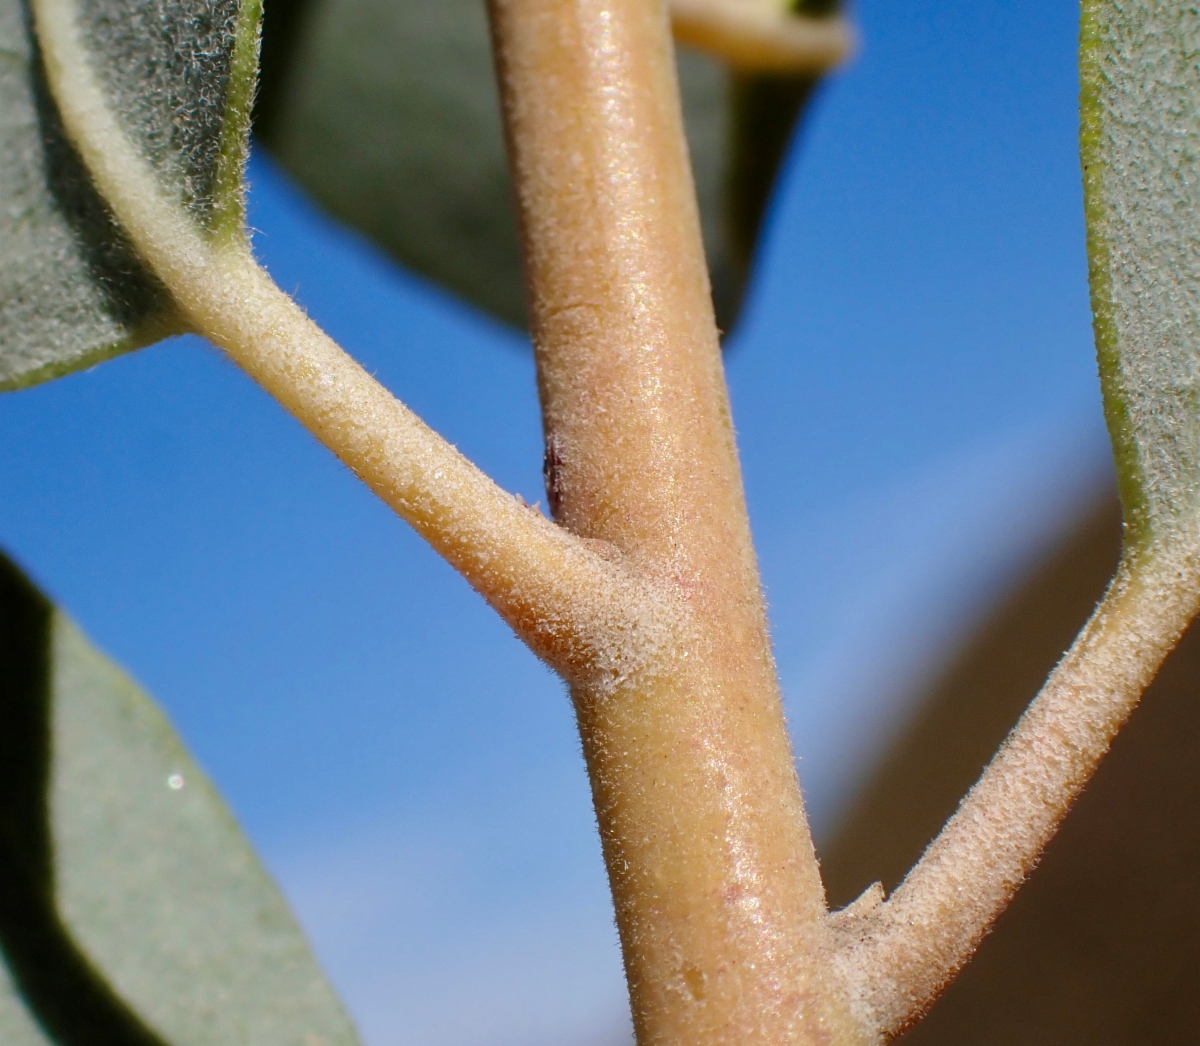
[{"x": 719, "y": 902}]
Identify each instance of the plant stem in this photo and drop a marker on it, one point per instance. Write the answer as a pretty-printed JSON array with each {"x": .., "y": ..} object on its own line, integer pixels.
[
  {"x": 763, "y": 35},
  {"x": 530, "y": 570},
  {"x": 899, "y": 955},
  {"x": 719, "y": 902}
]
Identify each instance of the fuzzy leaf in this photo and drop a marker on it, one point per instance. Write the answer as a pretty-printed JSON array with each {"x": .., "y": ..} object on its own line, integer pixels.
[
  {"x": 181, "y": 75},
  {"x": 132, "y": 911},
  {"x": 1140, "y": 73},
  {"x": 387, "y": 111}
]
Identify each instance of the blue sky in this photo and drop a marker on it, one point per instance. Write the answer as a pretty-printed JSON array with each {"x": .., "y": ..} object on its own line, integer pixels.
[{"x": 917, "y": 409}]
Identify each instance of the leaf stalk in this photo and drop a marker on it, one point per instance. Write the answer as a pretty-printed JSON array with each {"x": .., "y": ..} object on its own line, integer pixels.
[{"x": 897, "y": 956}]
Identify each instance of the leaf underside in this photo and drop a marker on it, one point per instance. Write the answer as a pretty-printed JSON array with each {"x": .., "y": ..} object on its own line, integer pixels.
[
  {"x": 1140, "y": 143},
  {"x": 180, "y": 75},
  {"x": 132, "y": 911}
]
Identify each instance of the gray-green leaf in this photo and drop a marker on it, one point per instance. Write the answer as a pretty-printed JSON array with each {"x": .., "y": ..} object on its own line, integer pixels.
[
  {"x": 180, "y": 73},
  {"x": 1140, "y": 73},
  {"x": 132, "y": 911}
]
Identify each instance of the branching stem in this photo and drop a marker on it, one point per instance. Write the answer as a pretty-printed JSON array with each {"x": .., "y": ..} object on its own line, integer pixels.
[
  {"x": 530, "y": 570},
  {"x": 644, "y": 593}
]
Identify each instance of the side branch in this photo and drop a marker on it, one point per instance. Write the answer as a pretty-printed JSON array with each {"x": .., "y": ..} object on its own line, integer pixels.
[
  {"x": 563, "y": 598},
  {"x": 763, "y": 35},
  {"x": 559, "y": 594},
  {"x": 897, "y": 956}
]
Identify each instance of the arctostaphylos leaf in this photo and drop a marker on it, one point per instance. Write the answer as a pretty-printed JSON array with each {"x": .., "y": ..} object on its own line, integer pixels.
[
  {"x": 180, "y": 75},
  {"x": 132, "y": 911},
  {"x": 1140, "y": 93},
  {"x": 387, "y": 111}
]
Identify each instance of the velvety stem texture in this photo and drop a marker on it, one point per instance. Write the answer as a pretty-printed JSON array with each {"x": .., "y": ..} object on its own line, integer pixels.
[
  {"x": 718, "y": 899},
  {"x": 896, "y": 956}
]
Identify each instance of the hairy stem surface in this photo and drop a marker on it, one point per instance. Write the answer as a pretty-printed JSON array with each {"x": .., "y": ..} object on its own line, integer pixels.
[
  {"x": 897, "y": 956},
  {"x": 719, "y": 903}
]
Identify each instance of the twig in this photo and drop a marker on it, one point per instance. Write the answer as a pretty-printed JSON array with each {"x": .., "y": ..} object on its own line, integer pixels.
[
  {"x": 898, "y": 955},
  {"x": 763, "y": 35}
]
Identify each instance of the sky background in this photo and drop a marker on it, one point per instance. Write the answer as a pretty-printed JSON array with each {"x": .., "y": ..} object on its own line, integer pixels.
[{"x": 917, "y": 411}]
